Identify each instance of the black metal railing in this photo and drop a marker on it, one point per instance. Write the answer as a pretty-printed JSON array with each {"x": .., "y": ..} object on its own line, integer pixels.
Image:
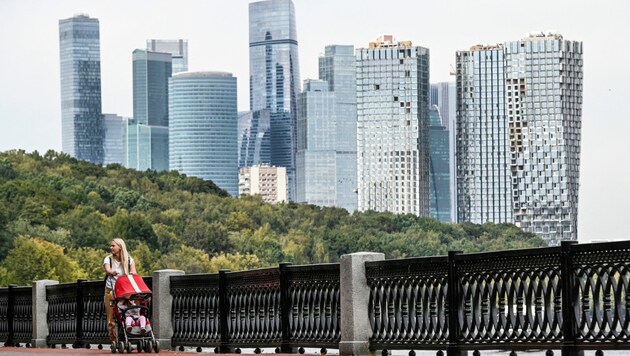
[
  {"x": 285, "y": 307},
  {"x": 573, "y": 297}
]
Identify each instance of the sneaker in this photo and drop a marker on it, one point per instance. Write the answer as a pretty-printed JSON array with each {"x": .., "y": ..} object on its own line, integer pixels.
[
  {"x": 128, "y": 328},
  {"x": 143, "y": 331}
]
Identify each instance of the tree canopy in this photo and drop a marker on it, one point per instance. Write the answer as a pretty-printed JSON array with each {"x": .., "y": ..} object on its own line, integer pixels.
[{"x": 58, "y": 214}]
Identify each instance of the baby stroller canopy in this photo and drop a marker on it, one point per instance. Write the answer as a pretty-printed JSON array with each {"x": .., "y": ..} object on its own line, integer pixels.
[{"x": 130, "y": 284}]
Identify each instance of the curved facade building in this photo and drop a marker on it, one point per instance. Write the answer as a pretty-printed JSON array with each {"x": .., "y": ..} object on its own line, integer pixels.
[
  {"x": 203, "y": 127},
  {"x": 275, "y": 77}
]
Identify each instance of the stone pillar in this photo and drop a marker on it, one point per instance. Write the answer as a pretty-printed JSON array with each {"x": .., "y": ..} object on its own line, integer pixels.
[
  {"x": 40, "y": 311},
  {"x": 355, "y": 294},
  {"x": 161, "y": 322}
]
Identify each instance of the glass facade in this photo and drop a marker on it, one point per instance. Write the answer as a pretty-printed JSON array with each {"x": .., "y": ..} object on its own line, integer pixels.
[
  {"x": 151, "y": 71},
  {"x": 444, "y": 96},
  {"x": 536, "y": 83},
  {"x": 80, "y": 72},
  {"x": 274, "y": 80},
  {"x": 177, "y": 48},
  {"x": 254, "y": 143},
  {"x": 393, "y": 127},
  {"x": 326, "y": 159},
  {"x": 115, "y": 132},
  {"x": 439, "y": 164},
  {"x": 203, "y": 127},
  {"x": 483, "y": 160}
]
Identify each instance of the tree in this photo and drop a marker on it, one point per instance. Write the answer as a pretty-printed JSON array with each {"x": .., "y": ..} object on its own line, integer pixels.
[{"x": 34, "y": 259}]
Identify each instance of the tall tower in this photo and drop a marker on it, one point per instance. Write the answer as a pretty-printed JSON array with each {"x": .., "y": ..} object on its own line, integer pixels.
[
  {"x": 177, "y": 48},
  {"x": 393, "y": 127},
  {"x": 275, "y": 77},
  {"x": 80, "y": 58},
  {"x": 327, "y": 121},
  {"x": 521, "y": 104},
  {"x": 202, "y": 131},
  {"x": 148, "y": 131},
  {"x": 439, "y": 163}
]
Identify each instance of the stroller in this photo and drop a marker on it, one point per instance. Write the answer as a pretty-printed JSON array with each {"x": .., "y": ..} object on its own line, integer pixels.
[{"x": 131, "y": 299}]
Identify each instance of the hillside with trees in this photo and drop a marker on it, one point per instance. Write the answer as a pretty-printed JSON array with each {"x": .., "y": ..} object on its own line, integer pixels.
[{"x": 58, "y": 215}]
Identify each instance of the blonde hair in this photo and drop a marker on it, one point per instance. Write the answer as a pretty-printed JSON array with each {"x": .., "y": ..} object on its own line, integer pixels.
[{"x": 124, "y": 255}]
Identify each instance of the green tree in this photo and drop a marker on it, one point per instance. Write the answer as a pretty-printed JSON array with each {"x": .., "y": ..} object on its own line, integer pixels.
[{"x": 34, "y": 259}]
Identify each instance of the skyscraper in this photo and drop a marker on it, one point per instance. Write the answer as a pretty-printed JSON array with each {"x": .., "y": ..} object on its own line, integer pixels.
[
  {"x": 149, "y": 127},
  {"x": 439, "y": 164},
  {"x": 203, "y": 127},
  {"x": 520, "y": 111},
  {"x": 275, "y": 77},
  {"x": 444, "y": 96},
  {"x": 81, "y": 117},
  {"x": 326, "y": 158},
  {"x": 254, "y": 143},
  {"x": 393, "y": 127},
  {"x": 114, "y": 139},
  {"x": 177, "y": 48}
]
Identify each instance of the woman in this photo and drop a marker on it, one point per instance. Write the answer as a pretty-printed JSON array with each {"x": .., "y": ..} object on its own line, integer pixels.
[{"x": 116, "y": 264}]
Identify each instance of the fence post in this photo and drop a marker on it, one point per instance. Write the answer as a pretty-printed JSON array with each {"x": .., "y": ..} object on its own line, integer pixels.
[
  {"x": 10, "y": 314},
  {"x": 161, "y": 318},
  {"x": 285, "y": 305},
  {"x": 78, "y": 342},
  {"x": 355, "y": 295},
  {"x": 569, "y": 300},
  {"x": 40, "y": 312},
  {"x": 454, "y": 291},
  {"x": 224, "y": 313}
]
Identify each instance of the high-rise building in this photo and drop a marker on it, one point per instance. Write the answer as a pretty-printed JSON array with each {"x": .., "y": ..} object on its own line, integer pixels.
[
  {"x": 149, "y": 127},
  {"x": 393, "y": 127},
  {"x": 177, "y": 48},
  {"x": 114, "y": 139},
  {"x": 518, "y": 140},
  {"x": 444, "y": 96},
  {"x": 274, "y": 81},
  {"x": 203, "y": 127},
  {"x": 267, "y": 181},
  {"x": 254, "y": 144},
  {"x": 439, "y": 167},
  {"x": 326, "y": 172},
  {"x": 81, "y": 117}
]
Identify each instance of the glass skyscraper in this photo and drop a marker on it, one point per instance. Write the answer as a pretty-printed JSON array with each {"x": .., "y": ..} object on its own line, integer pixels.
[
  {"x": 439, "y": 164},
  {"x": 326, "y": 158},
  {"x": 254, "y": 144},
  {"x": 177, "y": 48},
  {"x": 274, "y": 80},
  {"x": 533, "y": 95},
  {"x": 393, "y": 127},
  {"x": 81, "y": 117},
  {"x": 203, "y": 127},
  {"x": 149, "y": 127},
  {"x": 114, "y": 138},
  {"x": 444, "y": 96}
]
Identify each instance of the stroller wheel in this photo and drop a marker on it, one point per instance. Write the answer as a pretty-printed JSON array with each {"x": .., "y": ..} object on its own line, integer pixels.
[
  {"x": 139, "y": 346},
  {"x": 120, "y": 347},
  {"x": 156, "y": 346},
  {"x": 113, "y": 348},
  {"x": 128, "y": 347},
  {"x": 148, "y": 345}
]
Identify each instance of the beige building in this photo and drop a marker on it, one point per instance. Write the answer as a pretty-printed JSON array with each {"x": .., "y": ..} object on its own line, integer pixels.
[{"x": 267, "y": 181}]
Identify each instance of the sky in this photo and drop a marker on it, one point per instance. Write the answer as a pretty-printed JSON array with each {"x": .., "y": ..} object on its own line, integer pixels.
[{"x": 217, "y": 33}]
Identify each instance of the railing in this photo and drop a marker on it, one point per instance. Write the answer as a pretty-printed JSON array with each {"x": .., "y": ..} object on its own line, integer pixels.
[
  {"x": 572, "y": 297},
  {"x": 285, "y": 307}
]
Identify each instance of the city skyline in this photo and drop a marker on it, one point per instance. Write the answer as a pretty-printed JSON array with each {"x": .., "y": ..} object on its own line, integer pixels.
[{"x": 604, "y": 187}]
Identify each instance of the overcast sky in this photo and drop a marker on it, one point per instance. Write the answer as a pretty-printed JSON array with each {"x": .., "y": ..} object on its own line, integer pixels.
[{"x": 217, "y": 33}]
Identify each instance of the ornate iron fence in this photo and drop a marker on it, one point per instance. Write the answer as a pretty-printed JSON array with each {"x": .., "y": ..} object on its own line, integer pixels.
[{"x": 285, "y": 307}]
